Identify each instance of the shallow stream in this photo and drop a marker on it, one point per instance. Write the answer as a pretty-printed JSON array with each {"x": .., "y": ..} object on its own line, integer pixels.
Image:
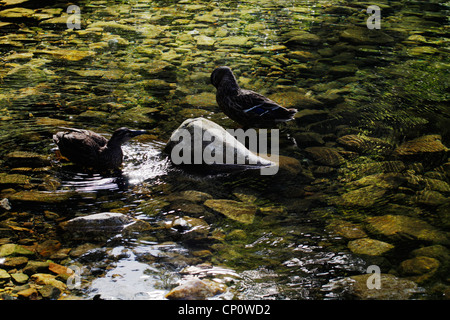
[{"x": 368, "y": 145}]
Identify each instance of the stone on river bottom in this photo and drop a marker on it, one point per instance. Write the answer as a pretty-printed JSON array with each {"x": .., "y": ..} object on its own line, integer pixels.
[
  {"x": 239, "y": 211},
  {"x": 398, "y": 227},
  {"x": 391, "y": 287},
  {"x": 101, "y": 225},
  {"x": 195, "y": 289}
]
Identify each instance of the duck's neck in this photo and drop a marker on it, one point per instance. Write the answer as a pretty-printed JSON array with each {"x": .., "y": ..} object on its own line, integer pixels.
[
  {"x": 229, "y": 85},
  {"x": 112, "y": 154}
]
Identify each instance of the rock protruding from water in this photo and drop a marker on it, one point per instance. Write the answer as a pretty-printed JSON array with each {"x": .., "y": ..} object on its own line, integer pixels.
[{"x": 203, "y": 144}]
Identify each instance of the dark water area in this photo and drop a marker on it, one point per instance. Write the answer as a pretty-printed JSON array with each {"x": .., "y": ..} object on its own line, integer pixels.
[{"x": 364, "y": 166}]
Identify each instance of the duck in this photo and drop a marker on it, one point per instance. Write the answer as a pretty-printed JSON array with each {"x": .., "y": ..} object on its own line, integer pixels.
[
  {"x": 246, "y": 107},
  {"x": 90, "y": 149}
]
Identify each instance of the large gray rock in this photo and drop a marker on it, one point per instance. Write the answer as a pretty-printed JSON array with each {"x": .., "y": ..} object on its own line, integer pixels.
[{"x": 204, "y": 144}]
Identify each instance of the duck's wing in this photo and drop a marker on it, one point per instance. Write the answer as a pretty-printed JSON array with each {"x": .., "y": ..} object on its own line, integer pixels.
[
  {"x": 255, "y": 105},
  {"x": 80, "y": 146}
]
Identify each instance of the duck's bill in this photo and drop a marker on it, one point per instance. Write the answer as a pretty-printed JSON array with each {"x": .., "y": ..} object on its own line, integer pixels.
[{"x": 136, "y": 133}]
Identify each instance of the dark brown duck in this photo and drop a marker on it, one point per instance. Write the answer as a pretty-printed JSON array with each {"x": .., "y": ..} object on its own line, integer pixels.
[
  {"x": 89, "y": 149},
  {"x": 246, "y": 107}
]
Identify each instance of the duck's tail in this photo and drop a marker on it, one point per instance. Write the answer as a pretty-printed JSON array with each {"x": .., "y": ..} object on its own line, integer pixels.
[{"x": 284, "y": 114}]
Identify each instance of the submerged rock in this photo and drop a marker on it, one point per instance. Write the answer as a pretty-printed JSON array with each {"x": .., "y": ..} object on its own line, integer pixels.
[
  {"x": 427, "y": 149},
  {"x": 16, "y": 13},
  {"x": 202, "y": 143},
  {"x": 10, "y": 250},
  {"x": 370, "y": 247},
  {"x": 302, "y": 38},
  {"x": 346, "y": 229},
  {"x": 189, "y": 228},
  {"x": 100, "y": 225},
  {"x": 295, "y": 99},
  {"x": 391, "y": 287},
  {"x": 196, "y": 289},
  {"x": 419, "y": 265},
  {"x": 397, "y": 227},
  {"x": 48, "y": 279},
  {"x": 4, "y": 204},
  {"x": 326, "y": 156},
  {"x": 17, "y": 159},
  {"x": 4, "y": 276},
  {"x": 239, "y": 211},
  {"x": 430, "y": 198},
  {"x": 42, "y": 197},
  {"x": 364, "y": 144},
  {"x": 363, "y": 197},
  {"x": 13, "y": 180},
  {"x": 361, "y": 35},
  {"x": 68, "y": 55}
]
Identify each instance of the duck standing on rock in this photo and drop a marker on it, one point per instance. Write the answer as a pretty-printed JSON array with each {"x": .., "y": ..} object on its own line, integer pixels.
[
  {"x": 89, "y": 149},
  {"x": 246, "y": 107}
]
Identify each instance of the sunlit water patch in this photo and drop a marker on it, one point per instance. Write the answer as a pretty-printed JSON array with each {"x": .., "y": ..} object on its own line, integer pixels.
[
  {"x": 143, "y": 272},
  {"x": 144, "y": 161}
]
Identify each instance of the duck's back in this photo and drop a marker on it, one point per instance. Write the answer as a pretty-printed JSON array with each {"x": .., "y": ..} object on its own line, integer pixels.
[{"x": 80, "y": 146}]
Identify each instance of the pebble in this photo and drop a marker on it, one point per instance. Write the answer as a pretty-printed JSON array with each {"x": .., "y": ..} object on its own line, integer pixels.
[
  {"x": 48, "y": 279},
  {"x": 346, "y": 229},
  {"x": 426, "y": 149},
  {"x": 196, "y": 289},
  {"x": 359, "y": 35},
  {"x": 363, "y": 197},
  {"x": 419, "y": 265},
  {"x": 40, "y": 197},
  {"x": 4, "y": 276},
  {"x": 363, "y": 144},
  {"x": 391, "y": 287},
  {"x": 26, "y": 159},
  {"x": 239, "y": 211},
  {"x": 326, "y": 156},
  {"x": 29, "y": 293},
  {"x": 370, "y": 247},
  {"x": 19, "y": 277},
  {"x": 237, "y": 41},
  {"x": 397, "y": 227},
  {"x": 13, "y": 250},
  {"x": 206, "y": 41},
  {"x": 13, "y": 262},
  {"x": 33, "y": 267}
]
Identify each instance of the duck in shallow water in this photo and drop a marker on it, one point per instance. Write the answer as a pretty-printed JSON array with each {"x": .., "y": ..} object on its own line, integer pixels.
[
  {"x": 246, "y": 107},
  {"x": 89, "y": 149}
]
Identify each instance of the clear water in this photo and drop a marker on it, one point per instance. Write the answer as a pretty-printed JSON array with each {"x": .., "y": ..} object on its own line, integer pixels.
[{"x": 146, "y": 65}]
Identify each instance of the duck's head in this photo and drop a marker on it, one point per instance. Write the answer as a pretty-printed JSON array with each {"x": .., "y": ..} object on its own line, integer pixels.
[
  {"x": 124, "y": 134},
  {"x": 219, "y": 73}
]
